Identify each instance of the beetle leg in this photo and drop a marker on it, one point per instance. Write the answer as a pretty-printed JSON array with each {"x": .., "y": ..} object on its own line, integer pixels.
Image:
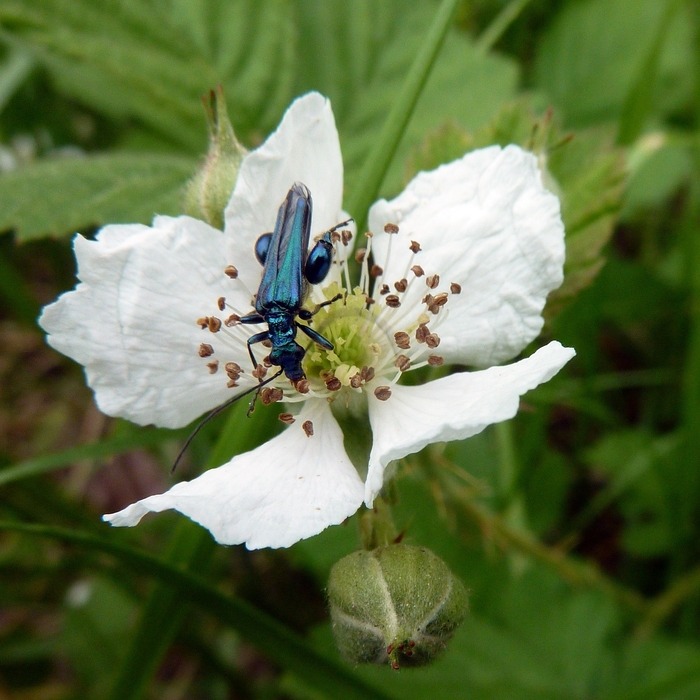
[
  {"x": 316, "y": 337},
  {"x": 257, "y": 338},
  {"x": 253, "y": 317}
]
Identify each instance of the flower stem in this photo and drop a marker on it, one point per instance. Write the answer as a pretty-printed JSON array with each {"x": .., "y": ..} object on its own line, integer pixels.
[
  {"x": 385, "y": 146},
  {"x": 500, "y": 24},
  {"x": 667, "y": 602},
  {"x": 376, "y": 525}
]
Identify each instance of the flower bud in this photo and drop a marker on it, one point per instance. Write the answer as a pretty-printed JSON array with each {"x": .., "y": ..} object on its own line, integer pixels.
[
  {"x": 209, "y": 191},
  {"x": 397, "y": 604}
]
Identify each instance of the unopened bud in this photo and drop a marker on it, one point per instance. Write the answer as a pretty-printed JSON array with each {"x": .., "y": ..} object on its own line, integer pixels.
[
  {"x": 209, "y": 191},
  {"x": 398, "y": 604}
]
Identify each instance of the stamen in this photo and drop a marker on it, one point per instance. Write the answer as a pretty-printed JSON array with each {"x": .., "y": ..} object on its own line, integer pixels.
[
  {"x": 382, "y": 392},
  {"x": 333, "y": 384},
  {"x": 360, "y": 255},
  {"x": 422, "y": 333},
  {"x": 391, "y": 228},
  {"x": 206, "y": 350},
  {"x": 231, "y": 272},
  {"x": 432, "y": 281},
  {"x": 432, "y": 340},
  {"x": 308, "y": 427},
  {"x": 213, "y": 366},
  {"x": 231, "y": 384},
  {"x": 402, "y": 340},
  {"x": 214, "y": 324},
  {"x": 393, "y": 301},
  {"x": 384, "y": 289},
  {"x": 435, "y": 360},
  {"x": 403, "y": 363},
  {"x": 302, "y": 385},
  {"x": 415, "y": 247},
  {"x": 287, "y": 418},
  {"x": 455, "y": 288},
  {"x": 259, "y": 372},
  {"x": 346, "y": 236},
  {"x": 401, "y": 285},
  {"x": 232, "y": 320},
  {"x": 375, "y": 271},
  {"x": 270, "y": 395},
  {"x": 417, "y": 270},
  {"x": 221, "y": 303},
  {"x": 203, "y": 322}
]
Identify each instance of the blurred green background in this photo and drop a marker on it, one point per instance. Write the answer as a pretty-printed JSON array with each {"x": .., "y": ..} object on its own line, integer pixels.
[{"x": 576, "y": 526}]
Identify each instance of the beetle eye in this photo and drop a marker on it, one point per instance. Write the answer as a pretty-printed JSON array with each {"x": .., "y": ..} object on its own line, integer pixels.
[{"x": 262, "y": 246}]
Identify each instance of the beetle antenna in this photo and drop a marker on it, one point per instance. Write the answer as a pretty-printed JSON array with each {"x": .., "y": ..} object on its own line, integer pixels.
[{"x": 215, "y": 412}]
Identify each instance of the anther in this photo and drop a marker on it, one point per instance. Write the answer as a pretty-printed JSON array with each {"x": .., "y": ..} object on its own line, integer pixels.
[
  {"x": 213, "y": 366},
  {"x": 259, "y": 372},
  {"x": 308, "y": 427},
  {"x": 402, "y": 340},
  {"x": 435, "y": 361},
  {"x": 417, "y": 270},
  {"x": 422, "y": 333},
  {"x": 415, "y": 247},
  {"x": 382, "y": 393},
  {"x": 427, "y": 299},
  {"x": 206, "y": 350},
  {"x": 356, "y": 381},
  {"x": 221, "y": 303},
  {"x": 432, "y": 281},
  {"x": 375, "y": 271},
  {"x": 232, "y": 320},
  {"x": 391, "y": 228},
  {"x": 346, "y": 236},
  {"x": 440, "y": 299},
  {"x": 203, "y": 322},
  {"x": 266, "y": 343},
  {"x": 432, "y": 340},
  {"x": 367, "y": 373},
  {"x": 287, "y": 418},
  {"x": 333, "y": 384},
  {"x": 360, "y": 254},
  {"x": 393, "y": 301},
  {"x": 403, "y": 363},
  {"x": 231, "y": 383},
  {"x": 270, "y": 395},
  {"x": 214, "y": 324},
  {"x": 267, "y": 361},
  {"x": 368, "y": 300},
  {"x": 302, "y": 385},
  {"x": 335, "y": 237},
  {"x": 231, "y": 272},
  {"x": 233, "y": 368},
  {"x": 455, "y": 288},
  {"x": 401, "y": 285},
  {"x": 385, "y": 289}
]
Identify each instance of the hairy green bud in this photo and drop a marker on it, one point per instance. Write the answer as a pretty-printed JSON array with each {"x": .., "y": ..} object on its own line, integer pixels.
[
  {"x": 397, "y": 604},
  {"x": 209, "y": 191}
]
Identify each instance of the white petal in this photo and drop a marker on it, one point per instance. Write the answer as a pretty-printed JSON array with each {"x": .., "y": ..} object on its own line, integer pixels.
[
  {"x": 305, "y": 148},
  {"x": 131, "y": 322},
  {"x": 290, "y": 488},
  {"x": 487, "y": 223},
  {"x": 452, "y": 408}
]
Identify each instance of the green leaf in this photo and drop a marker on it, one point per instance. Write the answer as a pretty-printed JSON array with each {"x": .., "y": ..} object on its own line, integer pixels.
[
  {"x": 271, "y": 637},
  {"x": 62, "y": 195},
  {"x": 96, "y": 450},
  {"x": 594, "y": 51},
  {"x": 151, "y": 61}
]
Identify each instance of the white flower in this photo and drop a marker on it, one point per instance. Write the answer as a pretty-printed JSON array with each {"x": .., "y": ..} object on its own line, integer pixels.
[{"x": 491, "y": 249}]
